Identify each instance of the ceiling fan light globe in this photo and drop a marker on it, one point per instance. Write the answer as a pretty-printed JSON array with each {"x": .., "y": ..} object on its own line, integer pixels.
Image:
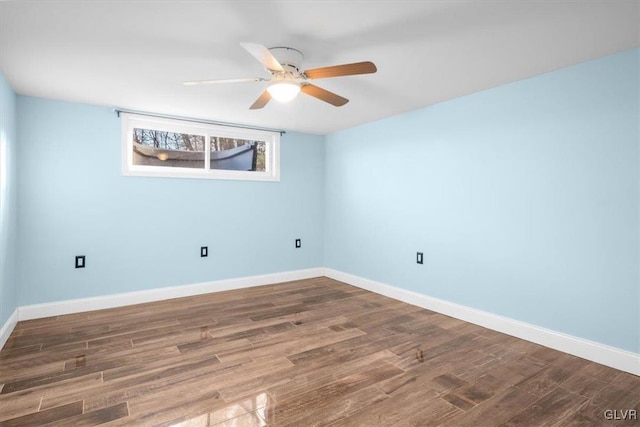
[{"x": 284, "y": 92}]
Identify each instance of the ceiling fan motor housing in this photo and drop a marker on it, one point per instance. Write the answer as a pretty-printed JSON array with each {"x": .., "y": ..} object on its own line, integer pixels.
[{"x": 288, "y": 57}]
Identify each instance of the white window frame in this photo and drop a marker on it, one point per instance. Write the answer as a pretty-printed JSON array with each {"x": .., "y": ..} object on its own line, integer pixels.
[{"x": 131, "y": 121}]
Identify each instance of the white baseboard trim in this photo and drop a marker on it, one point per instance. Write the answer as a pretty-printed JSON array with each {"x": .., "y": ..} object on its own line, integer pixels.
[
  {"x": 59, "y": 308},
  {"x": 600, "y": 353},
  {"x": 7, "y": 328}
]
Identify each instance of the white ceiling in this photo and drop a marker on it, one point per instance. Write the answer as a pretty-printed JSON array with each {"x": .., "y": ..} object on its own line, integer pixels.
[{"x": 135, "y": 54}]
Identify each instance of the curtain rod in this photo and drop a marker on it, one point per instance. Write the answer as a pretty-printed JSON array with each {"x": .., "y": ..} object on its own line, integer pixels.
[{"x": 118, "y": 111}]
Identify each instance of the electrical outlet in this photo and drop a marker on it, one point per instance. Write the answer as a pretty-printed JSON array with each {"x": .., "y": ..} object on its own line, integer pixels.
[
  {"x": 419, "y": 258},
  {"x": 80, "y": 261},
  {"x": 204, "y": 251},
  {"x": 298, "y": 243}
]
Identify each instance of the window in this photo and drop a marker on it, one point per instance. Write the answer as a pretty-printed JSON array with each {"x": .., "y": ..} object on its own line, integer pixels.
[{"x": 181, "y": 149}]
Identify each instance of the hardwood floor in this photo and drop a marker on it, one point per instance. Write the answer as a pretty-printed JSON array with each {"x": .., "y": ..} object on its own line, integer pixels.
[{"x": 312, "y": 352}]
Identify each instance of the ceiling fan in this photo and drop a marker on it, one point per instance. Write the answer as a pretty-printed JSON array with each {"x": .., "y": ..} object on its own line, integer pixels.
[{"x": 287, "y": 80}]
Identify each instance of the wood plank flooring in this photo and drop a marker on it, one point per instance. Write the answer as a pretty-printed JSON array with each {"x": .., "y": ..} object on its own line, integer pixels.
[{"x": 311, "y": 352}]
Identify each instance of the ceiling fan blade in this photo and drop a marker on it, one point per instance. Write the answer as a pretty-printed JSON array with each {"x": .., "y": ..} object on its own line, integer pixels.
[
  {"x": 263, "y": 55},
  {"x": 261, "y": 101},
  {"x": 342, "y": 70},
  {"x": 324, "y": 95},
  {"x": 209, "y": 82}
]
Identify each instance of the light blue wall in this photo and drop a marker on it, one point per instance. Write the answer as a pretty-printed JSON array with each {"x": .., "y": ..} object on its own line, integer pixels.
[
  {"x": 523, "y": 198},
  {"x": 140, "y": 233},
  {"x": 8, "y": 200}
]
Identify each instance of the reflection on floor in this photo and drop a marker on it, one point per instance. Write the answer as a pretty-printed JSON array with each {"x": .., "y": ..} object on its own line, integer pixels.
[
  {"x": 311, "y": 352},
  {"x": 250, "y": 412}
]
